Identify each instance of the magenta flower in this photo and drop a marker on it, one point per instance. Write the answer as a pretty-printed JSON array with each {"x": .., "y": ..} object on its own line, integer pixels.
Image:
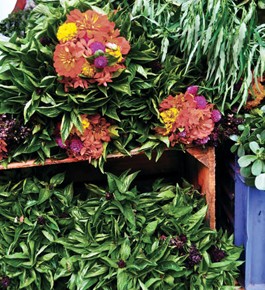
[
  {"x": 95, "y": 46},
  {"x": 201, "y": 102},
  {"x": 76, "y": 145},
  {"x": 100, "y": 62},
  {"x": 60, "y": 143},
  {"x": 202, "y": 141},
  {"x": 216, "y": 115},
  {"x": 192, "y": 90}
]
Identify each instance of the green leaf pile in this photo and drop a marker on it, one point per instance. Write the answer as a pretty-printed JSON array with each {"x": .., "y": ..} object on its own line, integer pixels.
[{"x": 115, "y": 237}]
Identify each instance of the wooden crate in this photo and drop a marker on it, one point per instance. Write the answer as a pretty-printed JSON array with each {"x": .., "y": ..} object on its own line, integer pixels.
[{"x": 196, "y": 166}]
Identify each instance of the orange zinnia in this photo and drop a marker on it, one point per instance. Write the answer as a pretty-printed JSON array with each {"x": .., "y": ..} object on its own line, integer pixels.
[
  {"x": 66, "y": 60},
  {"x": 90, "y": 21}
]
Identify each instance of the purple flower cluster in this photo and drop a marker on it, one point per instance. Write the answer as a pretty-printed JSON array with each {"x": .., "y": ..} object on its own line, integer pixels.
[
  {"x": 41, "y": 220},
  {"x": 216, "y": 254},
  {"x": 5, "y": 282},
  {"x": 178, "y": 242},
  {"x": 12, "y": 130},
  {"x": 194, "y": 257}
]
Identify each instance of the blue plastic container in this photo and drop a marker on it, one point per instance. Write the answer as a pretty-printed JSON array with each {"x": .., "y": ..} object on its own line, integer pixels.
[{"x": 250, "y": 231}]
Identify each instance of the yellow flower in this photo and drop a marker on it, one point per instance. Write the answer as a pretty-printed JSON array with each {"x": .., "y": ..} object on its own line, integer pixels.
[
  {"x": 88, "y": 70},
  {"x": 115, "y": 52},
  {"x": 169, "y": 117},
  {"x": 85, "y": 123},
  {"x": 67, "y": 31}
]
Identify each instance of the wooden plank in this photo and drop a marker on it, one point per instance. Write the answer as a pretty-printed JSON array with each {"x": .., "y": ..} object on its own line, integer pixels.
[{"x": 206, "y": 178}]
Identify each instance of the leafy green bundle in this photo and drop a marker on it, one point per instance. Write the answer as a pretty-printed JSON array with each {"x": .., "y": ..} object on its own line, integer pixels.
[{"x": 117, "y": 237}]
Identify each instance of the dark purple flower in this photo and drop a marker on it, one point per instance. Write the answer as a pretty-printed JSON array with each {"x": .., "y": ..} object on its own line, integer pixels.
[
  {"x": 60, "y": 143},
  {"x": 100, "y": 62},
  {"x": 178, "y": 242},
  {"x": 183, "y": 238},
  {"x": 202, "y": 141},
  {"x": 41, "y": 220},
  {"x": 95, "y": 46},
  {"x": 121, "y": 264},
  {"x": 216, "y": 254},
  {"x": 39, "y": 91},
  {"x": 182, "y": 134},
  {"x": 156, "y": 66},
  {"x": 201, "y": 102},
  {"x": 216, "y": 115},
  {"x": 76, "y": 145},
  {"x": 192, "y": 90},
  {"x": 194, "y": 257},
  {"x": 64, "y": 215},
  {"x": 5, "y": 282},
  {"x": 45, "y": 41},
  {"x": 109, "y": 196}
]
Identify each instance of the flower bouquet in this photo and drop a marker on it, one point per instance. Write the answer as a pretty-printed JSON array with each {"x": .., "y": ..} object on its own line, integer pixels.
[
  {"x": 188, "y": 118},
  {"x": 87, "y": 144},
  {"x": 80, "y": 60},
  {"x": 91, "y": 50}
]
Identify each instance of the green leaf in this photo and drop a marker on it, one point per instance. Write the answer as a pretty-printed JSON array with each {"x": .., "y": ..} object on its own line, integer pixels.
[
  {"x": 256, "y": 167},
  {"x": 48, "y": 257},
  {"x": 122, "y": 280},
  {"x": 109, "y": 262},
  {"x": 170, "y": 266},
  {"x": 143, "y": 286},
  {"x": 176, "y": 212},
  {"x": 245, "y": 160},
  {"x": 57, "y": 179},
  {"x": 96, "y": 271},
  {"x": 260, "y": 181},
  {"x": 129, "y": 214},
  {"x": 44, "y": 194},
  {"x": 254, "y": 146},
  {"x": 150, "y": 228},
  {"x": 66, "y": 127},
  {"x": 125, "y": 250},
  {"x": 194, "y": 221},
  {"x": 48, "y": 236},
  {"x": 167, "y": 194}
]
